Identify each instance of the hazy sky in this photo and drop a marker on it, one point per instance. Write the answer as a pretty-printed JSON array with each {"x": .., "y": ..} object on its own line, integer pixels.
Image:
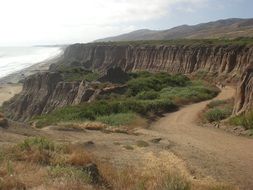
[{"x": 29, "y": 22}]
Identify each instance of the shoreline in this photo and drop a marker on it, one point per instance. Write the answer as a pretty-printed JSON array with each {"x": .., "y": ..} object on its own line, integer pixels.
[
  {"x": 16, "y": 77},
  {"x": 11, "y": 84}
]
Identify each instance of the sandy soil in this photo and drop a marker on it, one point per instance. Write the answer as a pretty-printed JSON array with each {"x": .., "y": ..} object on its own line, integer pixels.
[{"x": 8, "y": 90}]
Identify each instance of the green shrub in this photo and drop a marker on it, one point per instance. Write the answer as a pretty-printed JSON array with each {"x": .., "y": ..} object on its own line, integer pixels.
[
  {"x": 216, "y": 114},
  {"x": 156, "y": 82},
  {"x": 117, "y": 119},
  {"x": 38, "y": 143},
  {"x": 245, "y": 120},
  {"x": 77, "y": 74},
  {"x": 69, "y": 172},
  {"x": 92, "y": 111},
  {"x": 148, "y": 95},
  {"x": 216, "y": 103},
  {"x": 190, "y": 93}
]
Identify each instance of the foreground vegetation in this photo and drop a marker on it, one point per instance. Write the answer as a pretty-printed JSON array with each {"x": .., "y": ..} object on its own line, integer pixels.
[
  {"x": 146, "y": 94},
  {"x": 77, "y": 73},
  {"x": 244, "y": 120},
  {"x": 39, "y": 163},
  {"x": 218, "y": 110}
]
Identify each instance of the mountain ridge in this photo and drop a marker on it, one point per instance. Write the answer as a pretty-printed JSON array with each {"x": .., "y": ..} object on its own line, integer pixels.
[{"x": 225, "y": 28}]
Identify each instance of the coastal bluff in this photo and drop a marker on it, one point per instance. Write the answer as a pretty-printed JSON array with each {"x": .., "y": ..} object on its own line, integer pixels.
[{"x": 44, "y": 92}]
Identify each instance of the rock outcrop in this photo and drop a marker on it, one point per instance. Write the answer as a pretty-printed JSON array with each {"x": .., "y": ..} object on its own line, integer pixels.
[{"x": 44, "y": 92}]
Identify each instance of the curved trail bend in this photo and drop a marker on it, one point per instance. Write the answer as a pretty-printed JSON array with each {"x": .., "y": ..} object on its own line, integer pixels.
[{"x": 207, "y": 151}]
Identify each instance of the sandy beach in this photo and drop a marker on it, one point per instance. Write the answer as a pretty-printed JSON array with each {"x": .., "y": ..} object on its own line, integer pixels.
[
  {"x": 22, "y": 74},
  {"x": 11, "y": 84},
  {"x": 7, "y": 91}
]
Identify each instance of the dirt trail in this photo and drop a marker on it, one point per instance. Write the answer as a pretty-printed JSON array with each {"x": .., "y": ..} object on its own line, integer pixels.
[{"x": 209, "y": 151}]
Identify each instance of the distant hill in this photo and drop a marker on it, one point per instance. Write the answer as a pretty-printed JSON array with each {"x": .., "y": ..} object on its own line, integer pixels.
[{"x": 228, "y": 28}]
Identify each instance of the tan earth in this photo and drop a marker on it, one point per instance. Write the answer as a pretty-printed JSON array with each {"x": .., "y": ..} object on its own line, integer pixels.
[
  {"x": 201, "y": 151},
  {"x": 8, "y": 90}
]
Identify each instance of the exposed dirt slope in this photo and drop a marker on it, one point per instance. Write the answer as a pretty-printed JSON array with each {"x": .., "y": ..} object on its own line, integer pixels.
[{"x": 211, "y": 151}]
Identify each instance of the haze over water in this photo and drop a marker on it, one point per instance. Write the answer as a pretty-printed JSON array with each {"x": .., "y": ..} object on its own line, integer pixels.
[{"x": 13, "y": 59}]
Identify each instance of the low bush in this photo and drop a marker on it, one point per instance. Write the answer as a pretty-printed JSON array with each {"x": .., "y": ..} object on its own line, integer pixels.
[
  {"x": 77, "y": 74},
  {"x": 69, "y": 172},
  {"x": 216, "y": 114},
  {"x": 148, "y": 95},
  {"x": 244, "y": 120},
  {"x": 147, "y": 81},
  {"x": 118, "y": 119},
  {"x": 37, "y": 143},
  {"x": 94, "y": 110},
  {"x": 192, "y": 93},
  {"x": 216, "y": 103}
]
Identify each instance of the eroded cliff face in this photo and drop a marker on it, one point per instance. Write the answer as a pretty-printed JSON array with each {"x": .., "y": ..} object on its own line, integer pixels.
[
  {"x": 36, "y": 91},
  {"x": 244, "y": 95},
  {"x": 43, "y": 93},
  {"x": 222, "y": 60}
]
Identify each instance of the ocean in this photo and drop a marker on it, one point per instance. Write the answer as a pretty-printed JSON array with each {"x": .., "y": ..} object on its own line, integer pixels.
[{"x": 13, "y": 59}]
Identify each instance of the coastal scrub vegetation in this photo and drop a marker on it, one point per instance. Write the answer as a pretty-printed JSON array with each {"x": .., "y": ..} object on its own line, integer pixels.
[
  {"x": 214, "y": 41},
  {"x": 39, "y": 163},
  {"x": 218, "y": 110},
  {"x": 147, "y": 94},
  {"x": 245, "y": 120},
  {"x": 77, "y": 74}
]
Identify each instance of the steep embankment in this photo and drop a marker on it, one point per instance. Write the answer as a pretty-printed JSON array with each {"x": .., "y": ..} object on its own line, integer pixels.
[
  {"x": 219, "y": 59},
  {"x": 44, "y": 92}
]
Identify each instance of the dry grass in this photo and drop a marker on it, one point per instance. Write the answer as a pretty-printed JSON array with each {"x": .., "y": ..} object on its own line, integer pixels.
[
  {"x": 80, "y": 126},
  {"x": 41, "y": 164},
  {"x": 80, "y": 158},
  {"x": 21, "y": 175}
]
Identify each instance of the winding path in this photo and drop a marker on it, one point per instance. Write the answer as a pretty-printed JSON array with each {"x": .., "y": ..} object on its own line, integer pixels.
[{"x": 208, "y": 151}]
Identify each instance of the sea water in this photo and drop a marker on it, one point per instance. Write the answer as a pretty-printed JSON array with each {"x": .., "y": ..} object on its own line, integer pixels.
[{"x": 13, "y": 59}]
